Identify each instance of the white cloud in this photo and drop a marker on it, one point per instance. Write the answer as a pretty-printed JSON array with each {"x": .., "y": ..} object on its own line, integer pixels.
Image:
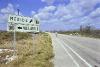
[
  {"x": 76, "y": 13},
  {"x": 85, "y": 5},
  {"x": 93, "y": 18},
  {"x": 5, "y": 11},
  {"x": 49, "y": 2},
  {"x": 9, "y": 9},
  {"x": 43, "y": 16},
  {"x": 61, "y": 11},
  {"x": 46, "y": 13},
  {"x": 95, "y": 13},
  {"x": 57, "y": 15},
  {"x": 33, "y": 13},
  {"x": 47, "y": 9}
]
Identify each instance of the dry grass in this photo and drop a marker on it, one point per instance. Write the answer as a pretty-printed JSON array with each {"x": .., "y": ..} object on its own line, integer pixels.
[{"x": 31, "y": 53}]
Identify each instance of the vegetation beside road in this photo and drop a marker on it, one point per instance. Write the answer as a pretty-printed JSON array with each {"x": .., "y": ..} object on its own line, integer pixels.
[
  {"x": 85, "y": 30},
  {"x": 36, "y": 52},
  {"x": 92, "y": 34}
]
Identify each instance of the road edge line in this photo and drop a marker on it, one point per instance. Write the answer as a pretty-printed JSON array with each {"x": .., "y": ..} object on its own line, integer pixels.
[
  {"x": 69, "y": 55},
  {"x": 78, "y": 55}
]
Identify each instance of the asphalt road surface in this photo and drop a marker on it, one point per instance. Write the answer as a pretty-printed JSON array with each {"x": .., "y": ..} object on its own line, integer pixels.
[{"x": 75, "y": 51}]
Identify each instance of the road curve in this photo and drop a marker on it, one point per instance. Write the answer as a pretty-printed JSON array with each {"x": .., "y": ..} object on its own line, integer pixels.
[{"x": 75, "y": 51}]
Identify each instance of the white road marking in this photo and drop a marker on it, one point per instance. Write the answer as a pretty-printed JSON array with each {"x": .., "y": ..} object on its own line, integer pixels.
[
  {"x": 69, "y": 54},
  {"x": 77, "y": 55}
]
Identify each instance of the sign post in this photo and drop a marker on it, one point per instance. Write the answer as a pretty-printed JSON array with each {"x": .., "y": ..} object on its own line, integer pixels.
[
  {"x": 21, "y": 24},
  {"x": 14, "y": 42}
]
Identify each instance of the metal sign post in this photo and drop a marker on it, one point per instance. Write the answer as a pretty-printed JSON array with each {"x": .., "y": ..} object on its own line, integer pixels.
[{"x": 14, "y": 40}]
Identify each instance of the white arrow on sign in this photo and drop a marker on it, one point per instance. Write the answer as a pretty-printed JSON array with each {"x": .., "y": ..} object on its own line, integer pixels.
[{"x": 23, "y": 28}]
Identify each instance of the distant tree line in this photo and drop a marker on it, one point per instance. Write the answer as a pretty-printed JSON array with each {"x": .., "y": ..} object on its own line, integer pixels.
[{"x": 86, "y": 29}]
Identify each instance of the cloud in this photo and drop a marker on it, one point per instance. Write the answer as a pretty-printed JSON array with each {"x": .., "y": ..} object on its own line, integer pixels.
[
  {"x": 49, "y": 2},
  {"x": 95, "y": 13},
  {"x": 46, "y": 13},
  {"x": 33, "y": 13},
  {"x": 86, "y": 6},
  {"x": 8, "y": 9},
  {"x": 74, "y": 14},
  {"x": 57, "y": 16},
  {"x": 4, "y": 12},
  {"x": 47, "y": 9}
]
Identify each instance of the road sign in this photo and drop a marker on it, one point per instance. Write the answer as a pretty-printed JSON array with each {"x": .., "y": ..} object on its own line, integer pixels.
[
  {"x": 23, "y": 27},
  {"x": 22, "y": 19},
  {"x": 22, "y": 24}
]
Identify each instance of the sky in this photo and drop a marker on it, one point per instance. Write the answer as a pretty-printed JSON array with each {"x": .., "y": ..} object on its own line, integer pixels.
[{"x": 54, "y": 14}]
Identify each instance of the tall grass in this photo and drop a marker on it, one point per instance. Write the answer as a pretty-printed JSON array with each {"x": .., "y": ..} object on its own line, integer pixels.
[{"x": 31, "y": 52}]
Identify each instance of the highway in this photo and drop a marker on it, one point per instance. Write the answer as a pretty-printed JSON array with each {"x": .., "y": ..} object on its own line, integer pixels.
[{"x": 75, "y": 51}]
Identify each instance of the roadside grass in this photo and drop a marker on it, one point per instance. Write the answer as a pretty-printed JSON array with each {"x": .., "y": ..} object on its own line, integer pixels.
[{"x": 36, "y": 52}]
